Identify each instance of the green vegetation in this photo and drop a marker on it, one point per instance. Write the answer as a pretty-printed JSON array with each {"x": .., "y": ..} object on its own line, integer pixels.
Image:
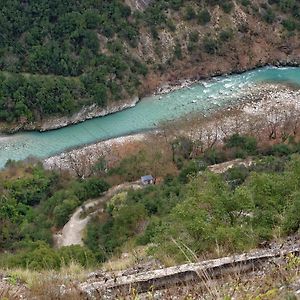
[
  {"x": 198, "y": 212},
  {"x": 63, "y": 39},
  {"x": 204, "y": 17},
  {"x": 191, "y": 212},
  {"x": 57, "y": 57},
  {"x": 33, "y": 202}
]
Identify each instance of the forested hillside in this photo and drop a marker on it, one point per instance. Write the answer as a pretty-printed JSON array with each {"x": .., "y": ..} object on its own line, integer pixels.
[
  {"x": 190, "y": 212},
  {"x": 56, "y": 57}
]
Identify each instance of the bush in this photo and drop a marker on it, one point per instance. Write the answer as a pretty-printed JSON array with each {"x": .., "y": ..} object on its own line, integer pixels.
[
  {"x": 227, "y": 6},
  {"x": 269, "y": 16},
  {"x": 245, "y": 2},
  {"x": 94, "y": 187},
  {"x": 194, "y": 37},
  {"x": 289, "y": 24},
  {"x": 291, "y": 221},
  {"x": 39, "y": 256},
  {"x": 177, "y": 51},
  {"x": 189, "y": 13},
  {"x": 236, "y": 176},
  {"x": 190, "y": 170},
  {"x": 204, "y": 17},
  {"x": 226, "y": 35},
  {"x": 281, "y": 150},
  {"x": 213, "y": 156},
  {"x": 242, "y": 143},
  {"x": 210, "y": 45}
]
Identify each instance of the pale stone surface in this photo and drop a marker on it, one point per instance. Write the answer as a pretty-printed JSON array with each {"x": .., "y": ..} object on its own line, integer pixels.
[
  {"x": 223, "y": 167},
  {"x": 109, "y": 285},
  {"x": 86, "y": 113}
]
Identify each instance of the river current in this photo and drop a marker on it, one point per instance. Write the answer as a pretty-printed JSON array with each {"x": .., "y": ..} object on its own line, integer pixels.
[{"x": 147, "y": 114}]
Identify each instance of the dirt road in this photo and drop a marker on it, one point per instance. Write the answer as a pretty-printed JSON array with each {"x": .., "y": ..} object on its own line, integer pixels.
[{"x": 72, "y": 232}]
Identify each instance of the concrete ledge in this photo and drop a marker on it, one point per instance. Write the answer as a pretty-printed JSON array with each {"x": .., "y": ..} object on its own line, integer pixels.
[{"x": 159, "y": 279}]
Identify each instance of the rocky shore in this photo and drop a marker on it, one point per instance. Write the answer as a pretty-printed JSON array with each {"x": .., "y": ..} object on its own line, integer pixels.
[
  {"x": 174, "y": 85},
  {"x": 86, "y": 113},
  {"x": 66, "y": 160},
  {"x": 261, "y": 108}
]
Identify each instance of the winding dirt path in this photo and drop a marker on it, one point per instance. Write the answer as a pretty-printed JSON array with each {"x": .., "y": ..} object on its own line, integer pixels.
[{"x": 72, "y": 232}]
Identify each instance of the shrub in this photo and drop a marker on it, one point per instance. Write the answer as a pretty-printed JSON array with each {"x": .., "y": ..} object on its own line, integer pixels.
[
  {"x": 191, "y": 169},
  {"x": 194, "y": 36},
  {"x": 94, "y": 187},
  {"x": 291, "y": 221},
  {"x": 245, "y": 2},
  {"x": 281, "y": 150},
  {"x": 236, "y": 176},
  {"x": 213, "y": 156},
  {"x": 227, "y": 6},
  {"x": 289, "y": 24},
  {"x": 204, "y": 17},
  {"x": 244, "y": 143},
  {"x": 226, "y": 35},
  {"x": 177, "y": 50},
  {"x": 210, "y": 45},
  {"x": 189, "y": 13},
  {"x": 269, "y": 16},
  {"x": 39, "y": 256}
]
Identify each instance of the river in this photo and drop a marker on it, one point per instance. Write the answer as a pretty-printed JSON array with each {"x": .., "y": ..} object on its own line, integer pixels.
[{"x": 147, "y": 114}]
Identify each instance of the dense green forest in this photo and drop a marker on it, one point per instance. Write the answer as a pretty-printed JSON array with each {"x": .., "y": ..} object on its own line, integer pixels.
[
  {"x": 56, "y": 57},
  {"x": 192, "y": 212},
  {"x": 33, "y": 201}
]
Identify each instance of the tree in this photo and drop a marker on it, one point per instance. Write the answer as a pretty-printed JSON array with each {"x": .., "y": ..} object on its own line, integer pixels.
[
  {"x": 210, "y": 45},
  {"x": 204, "y": 17}
]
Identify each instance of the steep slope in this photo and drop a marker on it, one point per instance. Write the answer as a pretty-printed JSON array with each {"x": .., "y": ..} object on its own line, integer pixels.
[{"x": 58, "y": 58}]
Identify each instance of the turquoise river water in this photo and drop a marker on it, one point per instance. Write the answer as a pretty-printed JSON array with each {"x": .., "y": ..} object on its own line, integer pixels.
[{"x": 147, "y": 114}]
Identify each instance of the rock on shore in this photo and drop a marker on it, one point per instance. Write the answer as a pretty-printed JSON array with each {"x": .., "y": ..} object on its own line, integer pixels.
[{"x": 86, "y": 113}]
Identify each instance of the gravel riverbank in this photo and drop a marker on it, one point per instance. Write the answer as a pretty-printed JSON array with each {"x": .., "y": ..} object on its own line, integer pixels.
[{"x": 262, "y": 107}]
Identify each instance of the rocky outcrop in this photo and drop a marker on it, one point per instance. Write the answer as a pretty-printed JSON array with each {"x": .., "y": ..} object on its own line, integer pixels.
[
  {"x": 86, "y": 113},
  {"x": 138, "y": 4},
  {"x": 225, "y": 166}
]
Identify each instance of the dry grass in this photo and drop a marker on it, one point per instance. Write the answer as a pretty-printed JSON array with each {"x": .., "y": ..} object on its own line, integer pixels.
[
  {"x": 276, "y": 280},
  {"x": 130, "y": 258},
  {"x": 45, "y": 284}
]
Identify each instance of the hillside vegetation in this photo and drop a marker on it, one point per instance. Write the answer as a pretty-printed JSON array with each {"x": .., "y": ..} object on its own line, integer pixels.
[
  {"x": 57, "y": 57},
  {"x": 201, "y": 214},
  {"x": 192, "y": 213}
]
